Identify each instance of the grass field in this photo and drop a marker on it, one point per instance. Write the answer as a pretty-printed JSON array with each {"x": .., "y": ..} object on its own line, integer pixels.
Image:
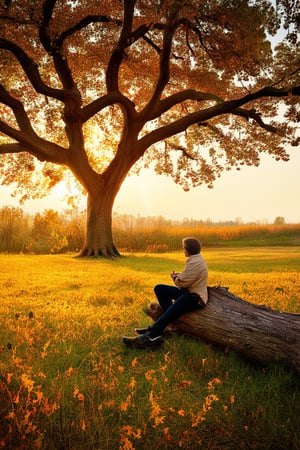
[{"x": 67, "y": 381}]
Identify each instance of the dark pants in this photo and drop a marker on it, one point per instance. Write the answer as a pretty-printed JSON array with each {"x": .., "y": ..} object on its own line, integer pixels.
[{"x": 184, "y": 302}]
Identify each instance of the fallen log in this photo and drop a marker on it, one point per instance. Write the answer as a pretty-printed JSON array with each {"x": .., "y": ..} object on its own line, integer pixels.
[{"x": 255, "y": 331}]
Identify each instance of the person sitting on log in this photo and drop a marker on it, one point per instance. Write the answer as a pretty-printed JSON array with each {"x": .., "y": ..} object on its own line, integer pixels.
[{"x": 188, "y": 294}]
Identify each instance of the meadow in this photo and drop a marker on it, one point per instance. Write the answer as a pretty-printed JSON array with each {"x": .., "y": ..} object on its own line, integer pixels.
[{"x": 68, "y": 382}]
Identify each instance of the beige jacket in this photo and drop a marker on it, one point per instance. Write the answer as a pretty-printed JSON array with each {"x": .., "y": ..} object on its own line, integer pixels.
[{"x": 194, "y": 276}]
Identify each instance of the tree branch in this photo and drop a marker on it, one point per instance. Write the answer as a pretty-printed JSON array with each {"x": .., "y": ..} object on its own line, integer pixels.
[
  {"x": 18, "y": 109},
  {"x": 164, "y": 69},
  {"x": 252, "y": 114},
  {"x": 53, "y": 47},
  {"x": 31, "y": 70},
  {"x": 112, "y": 73},
  {"x": 11, "y": 148},
  {"x": 230, "y": 106},
  {"x": 109, "y": 99},
  {"x": 48, "y": 7},
  {"x": 152, "y": 44},
  {"x": 182, "y": 150},
  {"x": 189, "y": 94},
  {"x": 296, "y": 90},
  {"x": 38, "y": 147},
  {"x": 83, "y": 24}
]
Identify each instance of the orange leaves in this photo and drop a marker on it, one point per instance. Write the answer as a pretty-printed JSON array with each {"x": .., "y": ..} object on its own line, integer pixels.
[
  {"x": 149, "y": 374},
  {"x": 39, "y": 397},
  {"x": 83, "y": 424},
  {"x": 130, "y": 398},
  {"x": 201, "y": 414},
  {"x": 127, "y": 432},
  {"x": 167, "y": 434},
  {"x": 78, "y": 395},
  {"x": 134, "y": 362},
  {"x": 212, "y": 383},
  {"x": 125, "y": 443},
  {"x": 124, "y": 405},
  {"x": 75, "y": 392},
  {"x": 9, "y": 376},
  {"x": 155, "y": 410},
  {"x": 44, "y": 352},
  {"x": 27, "y": 382},
  {"x": 132, "y": 383},
  {"x": 69, "y": 371},
  {"x": 131, "y": 432},
  {"x": 185, "y": 383},
  {"x": 27, "y": 404}
]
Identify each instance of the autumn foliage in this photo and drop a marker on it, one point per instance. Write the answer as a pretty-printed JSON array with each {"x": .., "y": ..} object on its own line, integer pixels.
[
  {"x": 52, "y": 232},
  {"x": 99, "y": 88}
]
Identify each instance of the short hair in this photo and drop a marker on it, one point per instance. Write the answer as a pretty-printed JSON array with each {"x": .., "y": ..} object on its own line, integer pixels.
[{"x": 191, "y": 245}]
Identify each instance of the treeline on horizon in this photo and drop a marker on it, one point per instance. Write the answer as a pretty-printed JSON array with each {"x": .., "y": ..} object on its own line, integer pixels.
[{"x": 61, "y": 232}]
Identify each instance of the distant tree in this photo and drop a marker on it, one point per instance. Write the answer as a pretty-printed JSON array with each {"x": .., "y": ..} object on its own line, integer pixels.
[
  {"x": 194, "y": 87},
  {"x": 75, "y": 230},
  {"x": 48, "y": 233},
  {"x": 279, "y": 220},
  {"x": 14, "y": 230}
]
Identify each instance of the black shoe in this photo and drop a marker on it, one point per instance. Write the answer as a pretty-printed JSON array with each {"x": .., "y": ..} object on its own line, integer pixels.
[
  {"x": 141, "y": 330},
  {"x": 143, "y": 341},
  {"x": 165, "y": 333}
]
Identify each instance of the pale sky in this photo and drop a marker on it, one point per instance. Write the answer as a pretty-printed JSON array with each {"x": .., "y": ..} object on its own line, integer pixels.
[{"x": 251, "y": 194}]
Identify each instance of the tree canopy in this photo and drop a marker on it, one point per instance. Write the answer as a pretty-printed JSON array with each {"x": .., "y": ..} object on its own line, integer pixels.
[{"x": 101, "y": 88}]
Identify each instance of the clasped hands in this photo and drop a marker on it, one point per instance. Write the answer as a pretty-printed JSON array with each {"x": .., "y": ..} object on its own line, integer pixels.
[{"x": 174, "y": 275}]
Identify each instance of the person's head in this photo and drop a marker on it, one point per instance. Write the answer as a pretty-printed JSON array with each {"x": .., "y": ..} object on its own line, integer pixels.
[{"x": 192, "y": 246}]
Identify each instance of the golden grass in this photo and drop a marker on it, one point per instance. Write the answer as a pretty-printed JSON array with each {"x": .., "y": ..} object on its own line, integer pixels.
[{"x": 66, "y": 380}]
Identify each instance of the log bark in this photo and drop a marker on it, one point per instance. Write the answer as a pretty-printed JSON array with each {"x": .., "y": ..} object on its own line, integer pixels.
[{"x": 255, "y": 331}]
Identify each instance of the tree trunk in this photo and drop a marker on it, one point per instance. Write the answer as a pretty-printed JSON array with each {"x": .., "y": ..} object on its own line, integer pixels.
[
  {"x": 255, "y": 331},
  {"x": 99, "y": 239}
]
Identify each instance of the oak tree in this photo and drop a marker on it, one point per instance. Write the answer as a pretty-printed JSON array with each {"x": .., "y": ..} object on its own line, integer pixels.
[{"x": 95, "y": 89}]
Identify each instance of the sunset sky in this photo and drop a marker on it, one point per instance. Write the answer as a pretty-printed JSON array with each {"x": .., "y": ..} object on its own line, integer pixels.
[{"x": 251, "y": 194}]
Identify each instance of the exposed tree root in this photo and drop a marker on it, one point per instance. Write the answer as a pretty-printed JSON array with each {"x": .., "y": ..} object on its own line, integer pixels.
[{"x": 107, "y": 252}]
